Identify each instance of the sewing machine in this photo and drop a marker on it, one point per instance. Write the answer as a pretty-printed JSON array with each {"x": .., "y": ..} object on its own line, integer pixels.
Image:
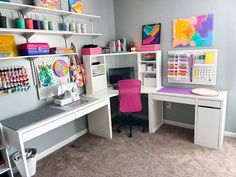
[{"x": 67, "y": 94}]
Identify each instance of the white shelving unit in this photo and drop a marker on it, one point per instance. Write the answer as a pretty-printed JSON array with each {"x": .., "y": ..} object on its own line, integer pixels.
[
  {"x": 150, "y": 77},
  {"x": 96, "y": 74},
  {"x": 97, "y": 77},
  {"x": 7, "y": 167}
]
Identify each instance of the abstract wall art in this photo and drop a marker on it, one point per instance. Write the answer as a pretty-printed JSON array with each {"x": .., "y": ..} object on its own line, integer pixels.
[
  {"x": 151, "y": 34},
  {"x": 195, "y": 31},
  {"x": 76, "y": 6}
]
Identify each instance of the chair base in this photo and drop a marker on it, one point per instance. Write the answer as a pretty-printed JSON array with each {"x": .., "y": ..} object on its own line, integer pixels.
[{"x": 131, "y": 123}]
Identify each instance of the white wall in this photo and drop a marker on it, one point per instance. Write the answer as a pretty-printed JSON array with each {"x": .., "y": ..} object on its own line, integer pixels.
[{"x": 130, "y": 15}]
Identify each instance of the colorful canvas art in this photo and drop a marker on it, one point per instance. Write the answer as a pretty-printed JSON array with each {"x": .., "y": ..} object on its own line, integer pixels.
[
  {"x": 51, "y": 4},
  {"x": 61, "y": 68},
  {"x": 151, "y": 34},
  {"x": 45, "y": 75},
  {"x": 193, "y": 31},
  {"x": 76, "y": 6}
]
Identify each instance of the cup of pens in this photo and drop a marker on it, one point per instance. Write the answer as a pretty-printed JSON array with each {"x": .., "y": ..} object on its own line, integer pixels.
[
  {"x": 20, "y": 21},
  {"x": 3, "y": 21}
]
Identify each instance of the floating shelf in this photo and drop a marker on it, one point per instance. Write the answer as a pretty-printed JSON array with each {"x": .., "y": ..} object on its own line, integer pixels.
[
  {"x": 29, "y": 8},
  {"x": 37, "y": 56},
  {"x": 29, "y": 32},
  {"x": 93, "y": 66}
]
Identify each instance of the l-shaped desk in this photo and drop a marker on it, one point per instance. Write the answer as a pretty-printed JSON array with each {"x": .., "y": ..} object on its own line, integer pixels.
[
  {"x": 210, "y": 112},
  {"x": 210, "y": 115}
]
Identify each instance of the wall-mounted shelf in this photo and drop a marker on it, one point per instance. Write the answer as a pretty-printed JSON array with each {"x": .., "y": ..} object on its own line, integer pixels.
[
  {"x": 29, "y": 33},
  {"x": 37, "y": 56},
  {"x": 29, "y": 8}
]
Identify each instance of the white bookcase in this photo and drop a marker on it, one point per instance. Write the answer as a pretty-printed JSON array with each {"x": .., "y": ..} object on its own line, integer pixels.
[
  {"x": 7, "y": 166},
  {"x": 96, "y": 75},
  {"x": 149, "y": 68}
]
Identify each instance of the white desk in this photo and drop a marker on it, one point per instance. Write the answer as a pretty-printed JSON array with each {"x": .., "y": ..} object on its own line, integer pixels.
[
  {"x": 210, "y": 113},
  {"x": 23, "y": 128}
]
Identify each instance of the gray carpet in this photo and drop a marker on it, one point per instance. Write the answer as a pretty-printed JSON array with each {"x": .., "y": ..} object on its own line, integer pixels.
[{"x": 169, "y": 152}]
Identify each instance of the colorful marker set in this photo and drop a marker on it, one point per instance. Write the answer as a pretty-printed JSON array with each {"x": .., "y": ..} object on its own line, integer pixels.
[
  {"x": 178, "y": 66},
  {"x": 192, "y": 67},
  {"x": 13, "y": 79}
]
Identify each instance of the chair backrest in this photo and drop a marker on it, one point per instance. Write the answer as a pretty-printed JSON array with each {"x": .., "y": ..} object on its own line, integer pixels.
[{"x": 130, "y": 95}]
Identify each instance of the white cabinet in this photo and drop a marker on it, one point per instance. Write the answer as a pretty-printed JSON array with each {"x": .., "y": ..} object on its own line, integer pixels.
[
  {"x": 95, "y": 73},
  {"x": 208, "y": 126}
]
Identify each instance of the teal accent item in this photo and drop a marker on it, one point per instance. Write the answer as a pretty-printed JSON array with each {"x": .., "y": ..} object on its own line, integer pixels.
[{"x": 20, "y": 23}]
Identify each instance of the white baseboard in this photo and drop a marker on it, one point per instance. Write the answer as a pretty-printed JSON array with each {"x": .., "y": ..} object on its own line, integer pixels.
[
  {"x": 230, "y": 134},
  {"x": 61, "y": 144},
  {"x": 179, "y": 124}
]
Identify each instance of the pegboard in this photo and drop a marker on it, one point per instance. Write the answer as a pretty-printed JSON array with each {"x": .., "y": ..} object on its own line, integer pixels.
[
  {"x": 48, "y": 91},
  {"x": 197, "y": 67}
]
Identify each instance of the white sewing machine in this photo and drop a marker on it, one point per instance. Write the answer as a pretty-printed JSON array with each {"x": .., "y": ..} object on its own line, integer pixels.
[{"x": 67, "y": 94}]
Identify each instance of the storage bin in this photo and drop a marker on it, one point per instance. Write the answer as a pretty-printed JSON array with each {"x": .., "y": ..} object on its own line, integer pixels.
[
  {"x": 31, "y": 154},
  {"x": 149, "y": 82},
  {"x": 34, "y": 49},
  {"x": 91, "y": 51}
]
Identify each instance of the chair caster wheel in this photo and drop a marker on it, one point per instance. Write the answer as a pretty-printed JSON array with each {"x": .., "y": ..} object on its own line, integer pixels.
[
  {"x": 130, "y": 135},
  {"x": 118, "y": 130}
]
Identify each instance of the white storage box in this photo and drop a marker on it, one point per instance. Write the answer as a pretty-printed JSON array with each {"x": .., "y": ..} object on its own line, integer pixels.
[{"x": 149, "y": 82}]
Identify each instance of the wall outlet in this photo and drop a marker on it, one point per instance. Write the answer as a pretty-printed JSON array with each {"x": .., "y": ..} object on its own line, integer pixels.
[{"x": 168, "y": 105}]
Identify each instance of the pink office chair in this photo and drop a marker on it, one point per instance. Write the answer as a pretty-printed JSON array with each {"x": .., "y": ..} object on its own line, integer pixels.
[{"x": 130, "y": 100}]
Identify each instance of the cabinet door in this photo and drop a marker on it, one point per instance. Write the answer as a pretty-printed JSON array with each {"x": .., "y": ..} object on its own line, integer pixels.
[{"x": 208, "y": 122}]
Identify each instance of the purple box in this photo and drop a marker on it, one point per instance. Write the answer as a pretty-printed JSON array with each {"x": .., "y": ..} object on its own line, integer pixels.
[{"x": 34, "y": 49}]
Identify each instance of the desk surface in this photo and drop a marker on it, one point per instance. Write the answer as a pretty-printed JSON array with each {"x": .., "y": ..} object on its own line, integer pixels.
[
  {"x": 39, "y": 115},
  {"x": 187, "y": 92},
  {"x": 110, "y": 92}
]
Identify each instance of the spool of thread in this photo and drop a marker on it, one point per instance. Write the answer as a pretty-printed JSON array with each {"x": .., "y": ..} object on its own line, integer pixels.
[
  {"x": 53, "y": 25},
  {"x": 72, "y": 27},
  {"x": 29, "y": 23},
  {"x": 3, "y": 21},
  {"x": 84, "y": 28},
  {"x": 20, "y": 23},
  {"x": 78, "y": 28},
  {"x": 37, "y": 24},
  {"x": 66, "y": 26},
  {"x": 44, "y": 25}
]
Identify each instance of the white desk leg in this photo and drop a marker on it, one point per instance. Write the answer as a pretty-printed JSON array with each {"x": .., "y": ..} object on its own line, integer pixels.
[
  {"x": 99, "y": 122},
  {"x": 155, "y": 114},
  {"x": 25, "y": 164}
]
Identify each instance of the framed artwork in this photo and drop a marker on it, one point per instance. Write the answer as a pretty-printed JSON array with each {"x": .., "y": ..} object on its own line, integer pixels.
[
  {"x": 151, "y": 34},
  {"x": 195, "y": 31},
  {"x": 51, "y": 4},
  {"x": 76, "y": 6}
]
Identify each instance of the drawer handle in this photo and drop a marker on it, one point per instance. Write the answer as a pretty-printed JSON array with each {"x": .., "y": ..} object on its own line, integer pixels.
[{"x": 208, "y": 107}]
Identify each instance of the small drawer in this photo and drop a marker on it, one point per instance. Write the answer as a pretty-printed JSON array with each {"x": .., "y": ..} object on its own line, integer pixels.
[
  {"x": 209, "y": 103},
  {"x": 175, "y": 99}
]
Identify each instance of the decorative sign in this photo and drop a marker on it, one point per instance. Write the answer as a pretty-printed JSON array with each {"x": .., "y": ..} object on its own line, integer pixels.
[{"x": 151, "y": 34}]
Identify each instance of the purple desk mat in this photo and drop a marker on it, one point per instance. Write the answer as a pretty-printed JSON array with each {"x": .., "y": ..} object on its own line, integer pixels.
[{"x": 176, "y": 90}]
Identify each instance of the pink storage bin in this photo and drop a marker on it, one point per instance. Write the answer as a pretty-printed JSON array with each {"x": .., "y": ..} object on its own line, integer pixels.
[
  {"x": 91, "y": 51},
  {"x": 153, "y": 47}
]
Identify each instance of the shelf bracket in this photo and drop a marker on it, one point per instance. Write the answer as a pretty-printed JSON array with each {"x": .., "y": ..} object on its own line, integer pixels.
[
  {"x": 27, "y": 36},
  {"x": 25, "y": 11}
]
